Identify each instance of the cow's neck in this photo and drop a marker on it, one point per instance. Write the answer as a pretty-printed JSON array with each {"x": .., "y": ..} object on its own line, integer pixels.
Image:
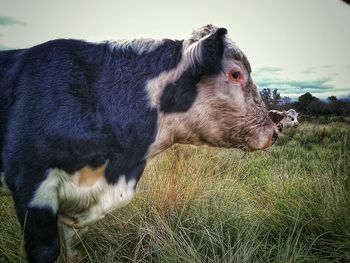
[{"x": 172, "y": 128}]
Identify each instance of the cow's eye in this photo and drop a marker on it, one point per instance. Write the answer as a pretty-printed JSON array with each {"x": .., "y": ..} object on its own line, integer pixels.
[
  {"x": 236, "y": 74},
  {"x": 292, "y": 118}
]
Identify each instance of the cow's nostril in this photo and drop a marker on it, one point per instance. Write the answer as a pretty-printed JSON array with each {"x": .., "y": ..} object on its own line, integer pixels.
[{"x": 274, "y": 136}]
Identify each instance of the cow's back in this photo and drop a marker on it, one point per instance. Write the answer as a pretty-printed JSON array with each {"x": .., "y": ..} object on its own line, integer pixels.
[
  {"x": 45, "y": 90},
  {"x": 10, "y": 66},
  {"x": 68, "y": 100}
]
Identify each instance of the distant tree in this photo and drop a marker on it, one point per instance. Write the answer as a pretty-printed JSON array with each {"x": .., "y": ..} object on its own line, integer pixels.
[
  {"x": 305, "y": 100},
  {"x": 265, "y": 94},
  {"x": 276, "y": 98},
  {"x": 332, "y": 98},
  {"x": 285, "y": 100},
  {"x": 312, "y": 105},
  {"x": 271, "y": 99},
  {"x": 339, "y": 108},
  {"x": 317, "y": 107}
]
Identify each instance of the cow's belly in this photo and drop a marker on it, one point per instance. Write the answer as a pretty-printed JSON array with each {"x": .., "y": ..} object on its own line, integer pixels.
[{"x": 86, "y": 197}]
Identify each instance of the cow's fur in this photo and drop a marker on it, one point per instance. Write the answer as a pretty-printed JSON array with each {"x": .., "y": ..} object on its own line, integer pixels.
[
  {"x": 79, "y": 120},
  {"x": 285, "y": 119}
]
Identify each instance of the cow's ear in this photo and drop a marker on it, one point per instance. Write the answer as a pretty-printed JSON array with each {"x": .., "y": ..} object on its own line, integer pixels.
[
  {"x": 206, "y": 49},
  {"x": 212, "y": 49},
  {"x": 285, "y": 113}
]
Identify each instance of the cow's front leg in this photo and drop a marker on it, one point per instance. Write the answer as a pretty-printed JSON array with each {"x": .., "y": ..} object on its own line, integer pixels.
[
  {"x": 36, "y": 204},
  {"x": 72, "y": 239},
  {"x": 83, "y": 219}
]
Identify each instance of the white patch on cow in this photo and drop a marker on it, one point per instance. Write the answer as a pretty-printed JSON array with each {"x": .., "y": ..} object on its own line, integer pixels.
[
  {"x": 93, "y": 203},
  {"x": 4, "y": 190},
  {"x": 80, "y": 204},
  {"x": 193, "y": 52},
  {"x": 139, "y": 46},
  {"x": 46, "y": 194}
]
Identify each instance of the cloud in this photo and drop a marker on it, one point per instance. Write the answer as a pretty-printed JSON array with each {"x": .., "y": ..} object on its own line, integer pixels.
[
  {"x": 301, "y": 85},
  {"x": 2, "y": 47},
  {"x": 309, "y": 71},
  {"x": 266, "y": 77},
  {"x": 264, "y": 70},
  {"x": 9, "y": 21}
]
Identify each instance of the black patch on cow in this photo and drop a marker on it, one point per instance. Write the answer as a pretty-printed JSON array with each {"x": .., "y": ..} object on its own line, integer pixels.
[
  {"x": 212, "y": 50},
  {"x": 276, "y": 117},
  {"x": 180, "y": 95},
  {"x": 133, "y": 172}
]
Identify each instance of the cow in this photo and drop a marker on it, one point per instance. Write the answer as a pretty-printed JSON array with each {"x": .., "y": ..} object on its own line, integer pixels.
[
  {"x": 80, "y": 120},
  {"x": 285, "y": 119}
]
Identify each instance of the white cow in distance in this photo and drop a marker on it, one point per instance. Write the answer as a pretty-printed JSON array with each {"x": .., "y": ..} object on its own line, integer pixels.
[{"x": 285, "y": 119}]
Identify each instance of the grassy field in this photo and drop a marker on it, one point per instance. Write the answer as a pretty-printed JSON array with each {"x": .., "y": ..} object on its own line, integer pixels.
[{"x": 291, "y": 204}]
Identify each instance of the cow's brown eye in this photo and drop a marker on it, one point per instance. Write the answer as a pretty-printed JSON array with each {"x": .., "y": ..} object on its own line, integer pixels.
[{"x": 236, "y": 74}]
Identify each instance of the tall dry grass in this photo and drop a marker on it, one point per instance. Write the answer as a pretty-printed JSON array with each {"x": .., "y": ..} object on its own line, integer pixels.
[{"x": 290, "y": 204}]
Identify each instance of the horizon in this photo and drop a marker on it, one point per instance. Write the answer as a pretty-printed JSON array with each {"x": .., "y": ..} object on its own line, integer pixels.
[{"x": 296, "y": 47}]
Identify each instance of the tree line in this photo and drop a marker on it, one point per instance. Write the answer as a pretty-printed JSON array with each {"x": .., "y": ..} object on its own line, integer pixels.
[{"x": 306, "y": 103}]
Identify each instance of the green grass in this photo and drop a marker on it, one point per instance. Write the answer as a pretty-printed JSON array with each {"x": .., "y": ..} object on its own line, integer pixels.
[{"x": 290, "y": 204}]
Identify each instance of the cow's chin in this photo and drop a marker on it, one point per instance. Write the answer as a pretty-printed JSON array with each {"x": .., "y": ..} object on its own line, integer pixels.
[
  {"x": 250, "y": 147},
  {"x": 257, "y": 141},
  {"x": 261, "y": 142}
]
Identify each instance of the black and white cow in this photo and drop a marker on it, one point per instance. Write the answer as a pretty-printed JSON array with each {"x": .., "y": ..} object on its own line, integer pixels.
[
  {"x": 285, "y": 119},
  {"x": 79, "y": 120}
]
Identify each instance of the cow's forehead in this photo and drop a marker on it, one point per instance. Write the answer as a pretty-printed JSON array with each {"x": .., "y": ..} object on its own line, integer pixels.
[
  {"x": 292, "y": 113},
  {"x": 232, "y": 51}
]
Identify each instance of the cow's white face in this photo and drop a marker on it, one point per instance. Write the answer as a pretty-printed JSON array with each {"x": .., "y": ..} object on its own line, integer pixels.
[
  {"x": 229, "y": 111},
  {"x": 225, "y": 108},
  {"x": 290, "y": 119}
]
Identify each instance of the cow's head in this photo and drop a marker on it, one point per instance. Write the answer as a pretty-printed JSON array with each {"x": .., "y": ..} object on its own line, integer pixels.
[
  {"x": 210, "y": 98},
  {"x": 291, "y": 119}
]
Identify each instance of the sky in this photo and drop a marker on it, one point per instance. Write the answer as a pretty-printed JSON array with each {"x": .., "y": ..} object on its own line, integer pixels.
[{"x": 296, "y": 46}]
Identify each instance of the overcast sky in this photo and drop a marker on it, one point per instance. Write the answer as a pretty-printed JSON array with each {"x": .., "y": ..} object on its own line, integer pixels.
[{"x": 293, "y": 45}]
